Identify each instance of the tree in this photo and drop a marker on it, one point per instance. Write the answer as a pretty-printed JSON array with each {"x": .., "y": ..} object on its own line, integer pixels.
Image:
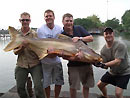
[
  {"x": 88, "y": 23},
  {"x": 96, "y": 21},
  {"x": 126, "y": 21},
  {"x": 83, "y": 22},
  {"x": 114, "y": 23}
]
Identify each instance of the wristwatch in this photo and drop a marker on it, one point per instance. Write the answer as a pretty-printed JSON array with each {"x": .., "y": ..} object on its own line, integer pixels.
[{"x": 80, "y": 38}]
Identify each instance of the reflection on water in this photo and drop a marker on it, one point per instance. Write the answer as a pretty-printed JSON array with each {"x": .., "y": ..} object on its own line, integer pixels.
[
  {"x": 7, "y": 65},
  {"x": 8, "y": 61},
  {"x": 97, "y": 44}
]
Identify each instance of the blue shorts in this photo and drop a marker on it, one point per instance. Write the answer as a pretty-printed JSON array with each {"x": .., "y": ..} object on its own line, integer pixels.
[
  {"x": 52, "y": 74},
  {"x": 116, "y": 80}
]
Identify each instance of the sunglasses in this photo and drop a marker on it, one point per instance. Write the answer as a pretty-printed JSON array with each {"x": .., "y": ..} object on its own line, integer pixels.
[{"x": 25, "y": 20}]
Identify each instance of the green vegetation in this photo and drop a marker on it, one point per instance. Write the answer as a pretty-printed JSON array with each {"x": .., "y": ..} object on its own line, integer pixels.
[
  {"x": 126, "y": 22},
  {"x": 92, "y": 23}
]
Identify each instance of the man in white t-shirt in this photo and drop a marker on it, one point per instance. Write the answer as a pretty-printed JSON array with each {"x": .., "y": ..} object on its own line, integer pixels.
[{"x": 51, "y": 65}]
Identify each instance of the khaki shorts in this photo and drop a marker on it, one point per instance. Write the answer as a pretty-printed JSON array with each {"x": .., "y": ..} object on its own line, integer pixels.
[{"x": 83, "y": 74}]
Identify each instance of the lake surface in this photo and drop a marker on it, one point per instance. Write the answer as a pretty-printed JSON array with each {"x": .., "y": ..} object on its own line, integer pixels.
[{"x": 8, "y": 63}]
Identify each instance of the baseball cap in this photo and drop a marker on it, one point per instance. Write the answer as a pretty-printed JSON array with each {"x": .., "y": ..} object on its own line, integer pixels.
[{"x": 108, "y": 29}]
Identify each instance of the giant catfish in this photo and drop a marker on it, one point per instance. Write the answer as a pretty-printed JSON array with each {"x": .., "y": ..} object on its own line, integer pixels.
[{"x": 63, "y": 44}]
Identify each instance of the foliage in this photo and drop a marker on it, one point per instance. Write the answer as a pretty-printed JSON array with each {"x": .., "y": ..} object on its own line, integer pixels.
[
  {"x": 88, "y": 23},
  {"x": 114, "y": 23},
  {"x": 126, "y": 21},
  {"x": 95, "y": 20}
]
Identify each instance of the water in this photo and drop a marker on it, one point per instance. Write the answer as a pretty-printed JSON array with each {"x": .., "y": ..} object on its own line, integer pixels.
[{"x": 8, "y": 61}]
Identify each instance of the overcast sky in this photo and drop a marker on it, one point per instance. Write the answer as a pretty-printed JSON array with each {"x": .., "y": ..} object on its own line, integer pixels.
[{"x": 10, "y": 10}]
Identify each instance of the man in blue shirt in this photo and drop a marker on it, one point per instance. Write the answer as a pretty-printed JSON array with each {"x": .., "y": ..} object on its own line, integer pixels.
[{"x": 78, "y": 71}]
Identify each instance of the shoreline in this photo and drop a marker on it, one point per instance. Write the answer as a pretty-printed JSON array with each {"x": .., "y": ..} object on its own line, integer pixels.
[{"x": 12, "y": 93}]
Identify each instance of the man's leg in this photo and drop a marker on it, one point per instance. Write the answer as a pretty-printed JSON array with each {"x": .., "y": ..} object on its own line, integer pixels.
[
  {"x": 57, "y": 90},
  {"x": 21, "y": 75},
  {"x": 85, "y": 92},
  {"x": 36, "y": 73},
  {"x": 74, "y": 81},
  {"x": 57, "y": 79},
  {"x": 87, "y": 79},
  {"x": 118, "y": 92},
  {"x": 73, "y": 93},
  {"x": 102, "y": 87},
  {"x": 48, "y": 90}
]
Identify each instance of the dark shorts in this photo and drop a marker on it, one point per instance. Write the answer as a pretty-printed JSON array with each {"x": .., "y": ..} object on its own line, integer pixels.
[{"x": 116, "y": 80}]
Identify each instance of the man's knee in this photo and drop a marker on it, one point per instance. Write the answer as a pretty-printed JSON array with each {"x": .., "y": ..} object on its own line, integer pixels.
[
  {"x": 119, "y": 92},
  {"x": 99, "y": 84}
]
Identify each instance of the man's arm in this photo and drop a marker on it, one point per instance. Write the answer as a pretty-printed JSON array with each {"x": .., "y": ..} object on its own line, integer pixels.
[
  {"x": 87, "y": 38},
  {"x": 115, "y": 62},
  {"x": 20, "y": 49}
]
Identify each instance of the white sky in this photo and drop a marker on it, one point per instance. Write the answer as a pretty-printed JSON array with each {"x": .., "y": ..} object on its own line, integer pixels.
[{"x": 11, "y": 9}]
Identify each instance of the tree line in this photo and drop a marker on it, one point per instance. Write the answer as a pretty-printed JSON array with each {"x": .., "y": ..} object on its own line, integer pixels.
[{"x": 94, "y": 23}]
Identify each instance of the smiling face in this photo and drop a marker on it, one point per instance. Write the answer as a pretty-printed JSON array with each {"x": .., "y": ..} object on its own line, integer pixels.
[
  {"x": 49, "y": 18},
  {"x": 25, "y": 20},
  {"x": 109, "y": 36},
  {"x": 68, "y": 22}
]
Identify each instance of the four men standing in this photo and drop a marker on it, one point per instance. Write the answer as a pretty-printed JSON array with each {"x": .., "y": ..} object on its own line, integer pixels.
[{"x": 28, "y": 62}]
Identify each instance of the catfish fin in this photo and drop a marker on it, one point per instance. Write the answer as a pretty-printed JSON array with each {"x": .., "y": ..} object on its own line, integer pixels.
[
  {"x": 42, "y": 56},
  {"x": 62, "y": 36},
  {"x": 41, "y": 53}
]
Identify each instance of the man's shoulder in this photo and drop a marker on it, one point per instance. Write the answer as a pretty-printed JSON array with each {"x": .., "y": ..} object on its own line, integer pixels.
[
  {"x": 42, "y": 26},
  {"x": 77, "y": 26},
  {"x": 120, "y": 44},
  {"x": 58, "y": 27}
]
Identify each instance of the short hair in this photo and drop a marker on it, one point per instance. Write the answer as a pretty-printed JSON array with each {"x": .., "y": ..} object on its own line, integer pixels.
[
  {"x": 25, "y": 13},
  {"x": 67, "y": 15},
  {"x": 48, "y": 11},
  {"x": 108, "y": 29}
]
